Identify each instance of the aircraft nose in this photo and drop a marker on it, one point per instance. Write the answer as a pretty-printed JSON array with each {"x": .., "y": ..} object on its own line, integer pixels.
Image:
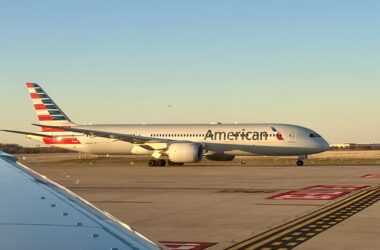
[{"x": 324, "y": 145}]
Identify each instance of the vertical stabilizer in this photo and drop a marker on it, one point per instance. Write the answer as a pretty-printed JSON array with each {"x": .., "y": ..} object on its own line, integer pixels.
[{"x": 48, "y": 113}]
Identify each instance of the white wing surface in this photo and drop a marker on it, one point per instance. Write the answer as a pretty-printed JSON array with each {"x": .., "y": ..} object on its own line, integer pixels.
[{"x": 36, "y": 213}]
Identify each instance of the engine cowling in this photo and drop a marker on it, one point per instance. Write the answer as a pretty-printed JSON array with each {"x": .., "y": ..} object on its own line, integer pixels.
[
  {"x": 185, "y": 152},
  {"x": 220, "y": 157}
]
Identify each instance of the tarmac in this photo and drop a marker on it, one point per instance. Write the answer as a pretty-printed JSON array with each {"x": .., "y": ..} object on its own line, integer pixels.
[{"x": 229, "y": 205}]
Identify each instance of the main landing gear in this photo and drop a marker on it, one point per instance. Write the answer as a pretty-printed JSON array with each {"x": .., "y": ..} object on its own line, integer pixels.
[
  {"x": 157, "y": 163},
  {"x": 162, "y": 163},
  {"x": 300, "y": 160}
]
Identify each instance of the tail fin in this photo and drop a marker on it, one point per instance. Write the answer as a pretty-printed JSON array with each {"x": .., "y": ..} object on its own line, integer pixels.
[{"x": 48, "y": 113}]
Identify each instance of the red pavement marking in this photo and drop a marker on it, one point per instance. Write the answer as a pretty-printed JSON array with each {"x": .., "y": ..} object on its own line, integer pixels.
[
  {"x": 176, "y": 245},
  {"x": 318, "y": 192},
  {"x": 336, "y": 187},
  {"x": 371, "y": 176},
  {"x": 309, "y": 195}
]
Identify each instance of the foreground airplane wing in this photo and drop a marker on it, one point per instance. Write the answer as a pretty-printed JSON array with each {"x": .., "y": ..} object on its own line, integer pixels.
[{"x": 36, "y": 213}]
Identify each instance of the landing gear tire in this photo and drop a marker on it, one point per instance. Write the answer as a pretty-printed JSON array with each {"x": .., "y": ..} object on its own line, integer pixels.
[
  {"x": 152, "y": 163},
  {"x": 156, "y": 163},
  {"x": 299, "y": 163},
  {"x": 161, "y": 163}
]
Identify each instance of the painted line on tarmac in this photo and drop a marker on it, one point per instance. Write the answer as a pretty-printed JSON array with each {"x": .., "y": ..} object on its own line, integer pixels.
[
  {"x": 288, "y": 204},
  {"x": 304, "y": 228}
]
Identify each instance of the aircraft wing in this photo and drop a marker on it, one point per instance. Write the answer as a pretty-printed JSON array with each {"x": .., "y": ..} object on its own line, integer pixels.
[
  {"x": 112, "y": 135},
  {"x": 27, "y": 133},
  {"x": 36, "y": 213}
]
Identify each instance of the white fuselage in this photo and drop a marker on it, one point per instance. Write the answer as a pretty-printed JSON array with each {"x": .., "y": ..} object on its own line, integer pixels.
[{"x": 232, "y": 139}]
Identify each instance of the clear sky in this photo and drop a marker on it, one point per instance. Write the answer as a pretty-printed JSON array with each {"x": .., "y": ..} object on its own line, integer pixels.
[{"x": 312, "y": 63}]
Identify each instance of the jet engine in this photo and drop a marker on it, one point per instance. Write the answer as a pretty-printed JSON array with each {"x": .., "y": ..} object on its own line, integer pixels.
[
  {"x": 220, "y": 157},
  {"x": 185, "y": 152}
]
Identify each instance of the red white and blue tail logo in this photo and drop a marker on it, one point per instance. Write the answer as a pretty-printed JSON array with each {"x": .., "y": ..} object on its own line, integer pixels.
[{"x": 47, "y": 111}]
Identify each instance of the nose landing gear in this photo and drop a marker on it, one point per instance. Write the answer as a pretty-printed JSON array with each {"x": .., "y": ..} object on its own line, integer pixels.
[
  {"x": 300, "y": 163},
  {"x": 300, "y": 160}
]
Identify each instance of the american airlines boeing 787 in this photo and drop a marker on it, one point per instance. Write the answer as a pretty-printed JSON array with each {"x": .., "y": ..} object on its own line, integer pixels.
[{"x": 178, "y": 143}]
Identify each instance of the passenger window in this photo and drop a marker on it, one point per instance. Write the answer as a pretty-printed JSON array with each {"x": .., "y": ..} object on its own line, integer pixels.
[{"x": 314, "y": 135}]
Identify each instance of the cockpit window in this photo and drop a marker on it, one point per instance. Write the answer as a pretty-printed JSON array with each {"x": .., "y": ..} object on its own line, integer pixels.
[{"x": 313, "y": 135}]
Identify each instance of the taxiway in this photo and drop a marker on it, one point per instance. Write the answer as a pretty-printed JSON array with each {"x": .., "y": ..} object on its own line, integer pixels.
[{"x": 229, "y": 205}]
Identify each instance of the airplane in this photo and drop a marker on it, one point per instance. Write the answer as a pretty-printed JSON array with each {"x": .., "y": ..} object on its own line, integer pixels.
[
  {"x": 37, "y": 213},
  {"x": 172, "y": 144}
]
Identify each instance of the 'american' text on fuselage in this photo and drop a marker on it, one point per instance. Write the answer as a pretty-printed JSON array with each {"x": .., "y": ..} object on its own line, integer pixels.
[{"x": 237, "y": 135}]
